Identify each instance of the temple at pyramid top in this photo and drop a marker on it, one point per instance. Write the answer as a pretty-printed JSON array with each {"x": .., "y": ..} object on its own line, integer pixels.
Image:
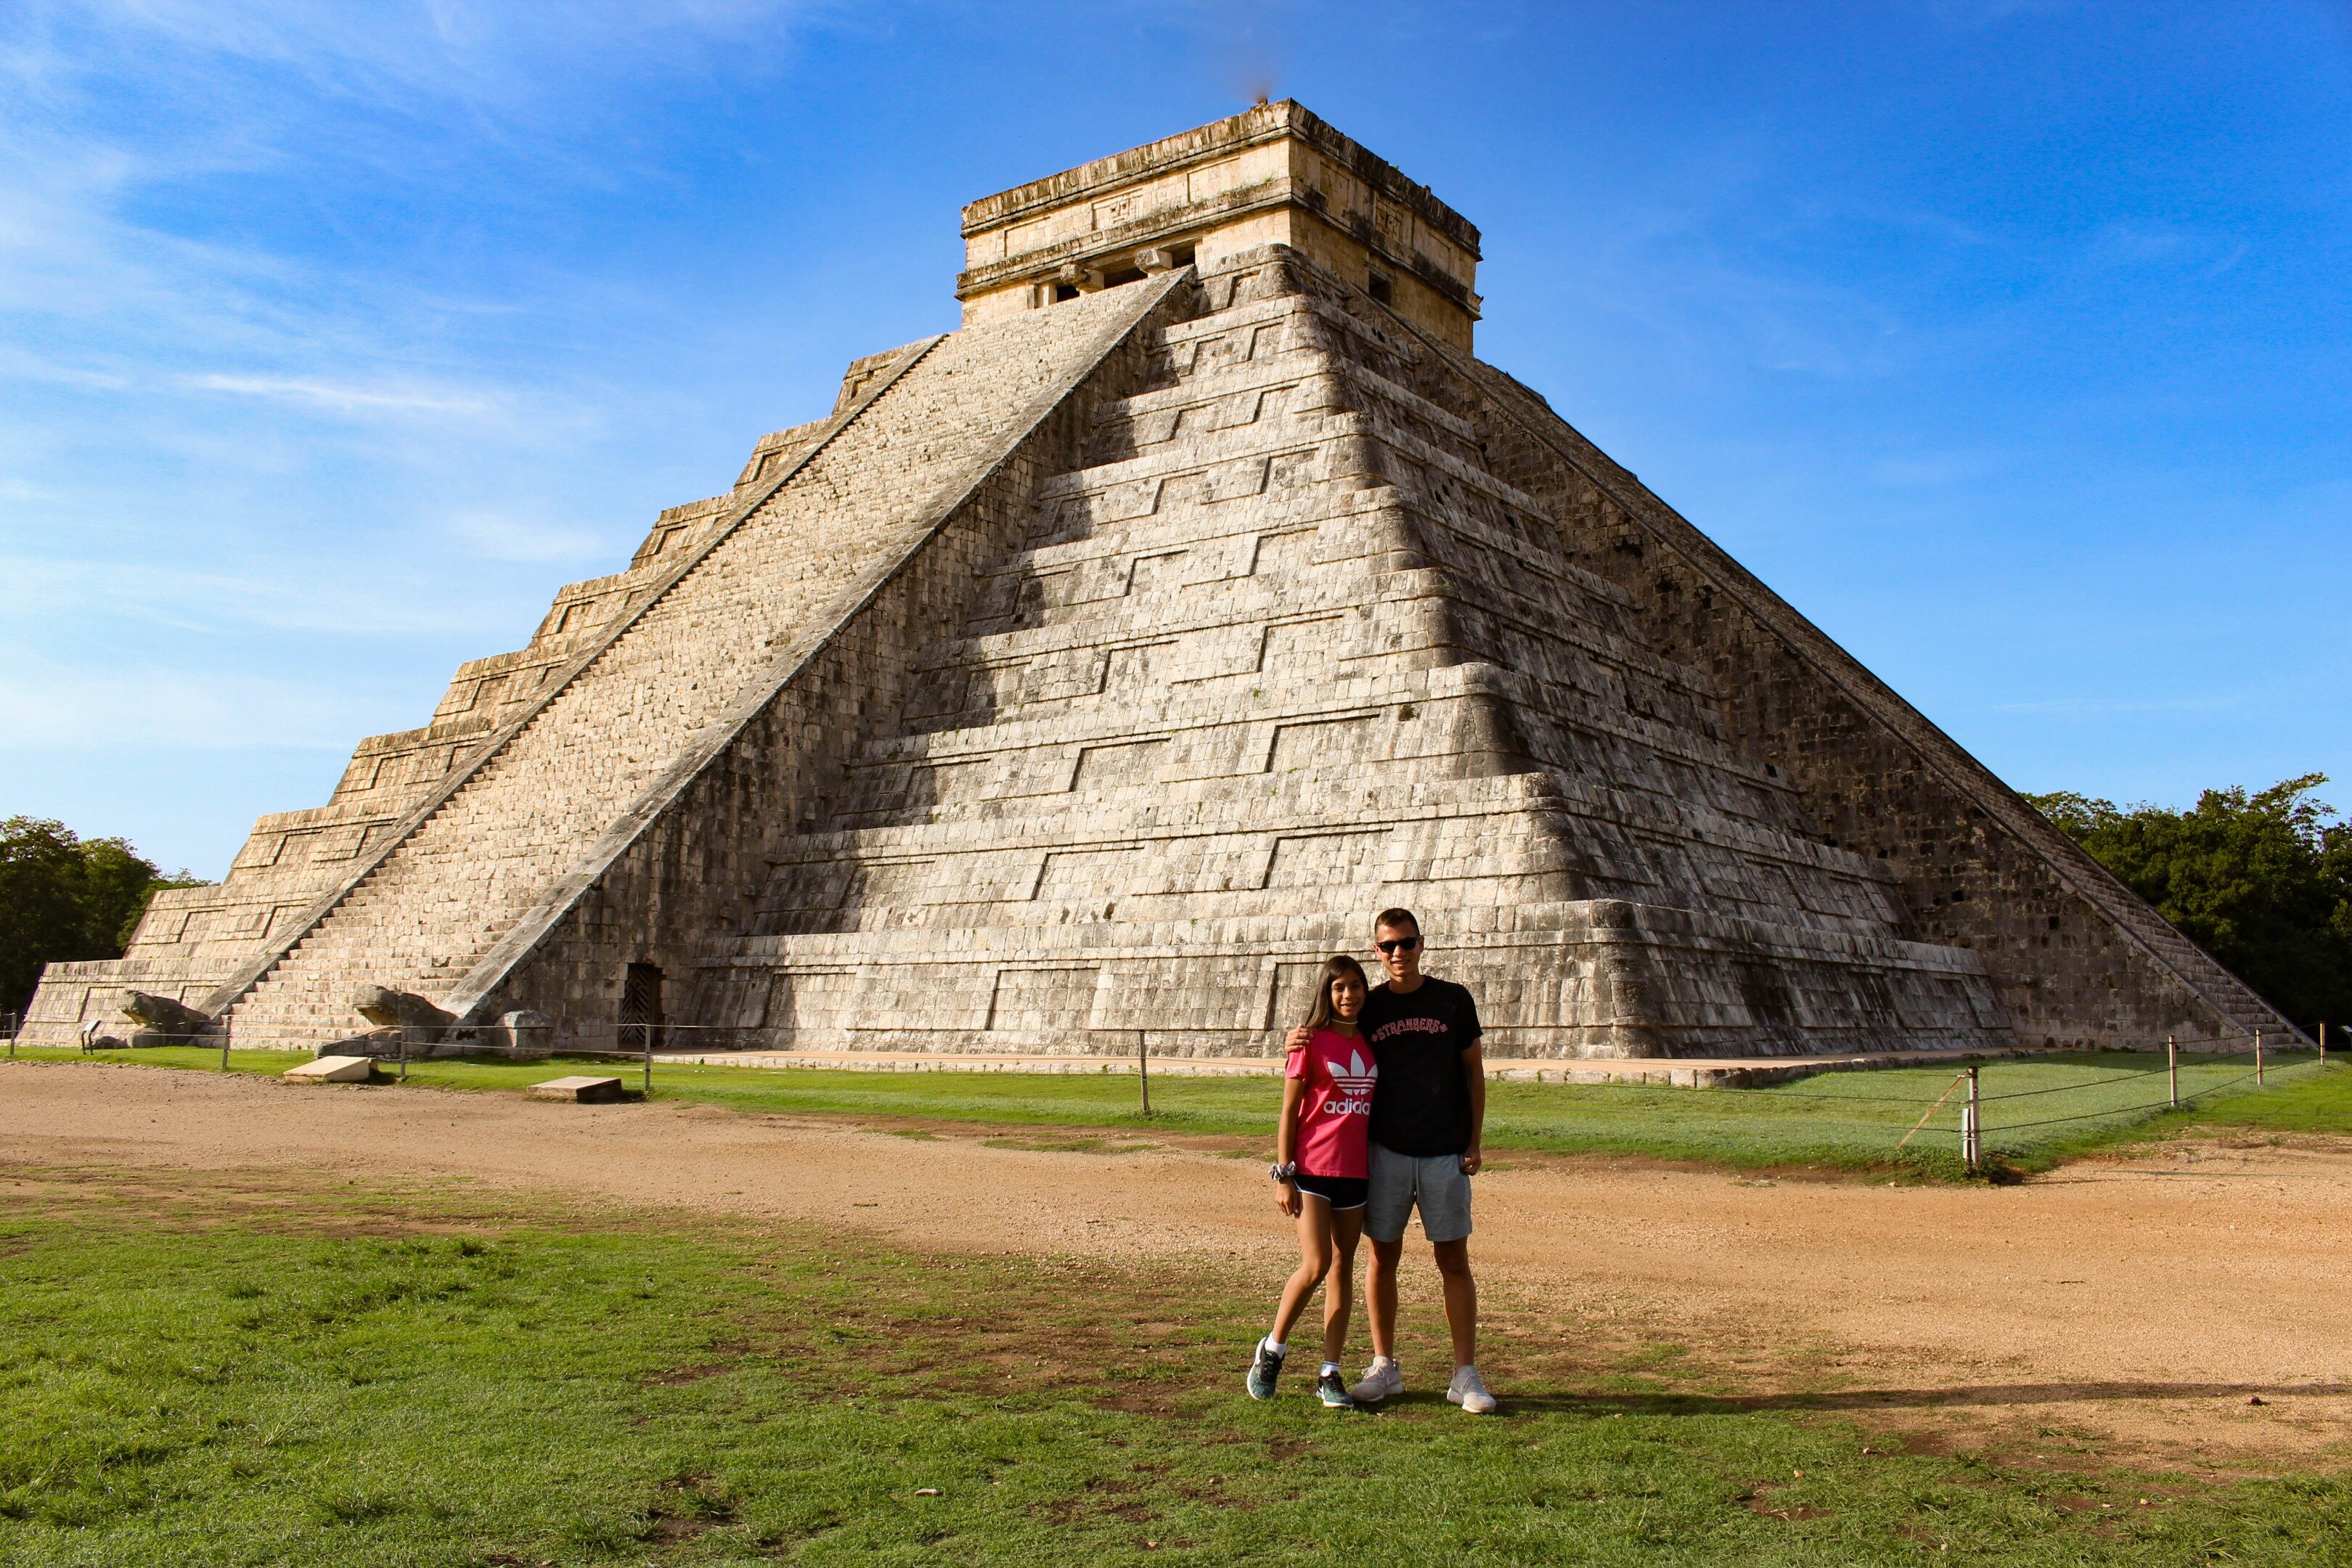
[
  {"x": 1274, "y": 174},
  {"x": 1085, "y": 677}
]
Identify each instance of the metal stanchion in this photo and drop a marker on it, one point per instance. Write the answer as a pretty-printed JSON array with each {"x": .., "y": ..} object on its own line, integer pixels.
[
  {"x": 1143, "y": 1070},
  {"x": 649, "y": 1062},
  {"x": 1973, "y": 1125},
  {"x": 2172, "y": 1069},
  {"x": 227, "y": 1028},
  {"x": 2258, "y": 1059}
]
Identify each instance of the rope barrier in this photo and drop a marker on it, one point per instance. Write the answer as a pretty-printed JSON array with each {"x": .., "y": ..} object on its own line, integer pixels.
[
  {"x": 385, "y": 1041},
  {"x": 2206, "y": 1057},
  {"x": 2096, "y": 1083},
  {"x": 2153, "y": 1105}
]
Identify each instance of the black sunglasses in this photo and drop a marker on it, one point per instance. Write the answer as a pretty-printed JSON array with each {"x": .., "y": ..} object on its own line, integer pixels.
[{"x": 1399, "y": 945}]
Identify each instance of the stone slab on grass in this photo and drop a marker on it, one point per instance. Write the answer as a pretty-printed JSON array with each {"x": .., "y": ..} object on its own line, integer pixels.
[
  {"x": 579, "y": 1089},
  {"x": 333, "y": 1070}
]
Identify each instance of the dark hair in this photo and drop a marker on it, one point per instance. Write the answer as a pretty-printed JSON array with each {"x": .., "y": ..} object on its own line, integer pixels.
[
  {"x": 1396, "y": 919},
  {"x": 1338, "y": 965}
]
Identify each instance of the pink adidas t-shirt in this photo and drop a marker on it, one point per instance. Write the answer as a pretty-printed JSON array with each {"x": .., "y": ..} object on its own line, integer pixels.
[{"x": 1335, "y": 1114}]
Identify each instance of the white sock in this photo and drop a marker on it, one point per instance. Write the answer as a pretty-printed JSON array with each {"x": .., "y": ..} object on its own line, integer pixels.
[
  {"x": 1273, "y": 1346},
  {"x": 1329, "y": 1369}
]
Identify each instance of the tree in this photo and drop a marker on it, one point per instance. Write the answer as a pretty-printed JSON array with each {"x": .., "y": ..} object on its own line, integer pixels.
[
  {"x": 63, "y": 897},
  {"x": 2262, "y": 882}
]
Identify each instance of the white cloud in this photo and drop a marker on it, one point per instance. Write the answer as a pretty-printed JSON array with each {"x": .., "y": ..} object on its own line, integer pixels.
[
  {"x": 1928, "y": 470},
  {"x": 152, "y": 712},
  {"x": 1973, "y": 15},
  {"x": 349, "y": 399},
  {"x": 307, "y": 593},
  {"x": 505, "y": 536},
  {"x": 2120, "y": 245},
  {"x": 22, "y": 364},
  {"x": 497, "y": 57},
  {"x": 1682, "y": 292},
  {"x": 2092, "y": 706}
]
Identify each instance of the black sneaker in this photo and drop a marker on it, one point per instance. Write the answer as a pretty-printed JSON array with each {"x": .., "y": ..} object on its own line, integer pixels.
[
  {"x": 1334, "y": 1392},
  {"x": 1265, "y": 1367}
]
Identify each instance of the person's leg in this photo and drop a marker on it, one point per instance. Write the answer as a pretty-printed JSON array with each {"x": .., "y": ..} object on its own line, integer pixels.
[
  {"x": 1381, "y": 1294},
  {"x": 1445, "y": 1220},
  {"x": 1388, "y": 1204},
  {"x": 1340, "y": 1293},
  {"x": 1314, "y": 1262},
  {"x": 1461, "y": 1299}
]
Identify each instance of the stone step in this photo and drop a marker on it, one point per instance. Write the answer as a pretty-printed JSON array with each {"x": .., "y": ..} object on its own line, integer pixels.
[
  {"x": 1542, "y": 970},
  {"x": 460, "y": 880}
]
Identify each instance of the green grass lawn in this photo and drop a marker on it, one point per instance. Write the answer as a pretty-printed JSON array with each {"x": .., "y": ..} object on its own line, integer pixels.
[
  {"x": 2037, "y": 1110},
  {"x": 2313, "y": 1102},
  {"x": 281, "y": 1375}
]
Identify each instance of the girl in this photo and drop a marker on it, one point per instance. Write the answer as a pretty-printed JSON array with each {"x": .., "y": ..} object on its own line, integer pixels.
[{"x": 1321, "y": 1160}]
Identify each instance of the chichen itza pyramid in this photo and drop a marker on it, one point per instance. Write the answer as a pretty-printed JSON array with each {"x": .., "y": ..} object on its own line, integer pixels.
[{"x": 1090, "y": 672}]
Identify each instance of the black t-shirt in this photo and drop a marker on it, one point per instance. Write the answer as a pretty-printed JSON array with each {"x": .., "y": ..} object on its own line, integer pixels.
[{"x": 1422, "y": 1106}]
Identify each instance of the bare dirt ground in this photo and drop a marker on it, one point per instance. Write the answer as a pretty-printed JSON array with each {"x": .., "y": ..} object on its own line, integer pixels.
[{"x": 2183, "y": 1305}]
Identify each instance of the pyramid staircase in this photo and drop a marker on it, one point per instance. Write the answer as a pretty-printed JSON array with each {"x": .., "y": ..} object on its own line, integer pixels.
[
  {"x": 1281, "y": 652},
  {"x": 528, "y": 817}
]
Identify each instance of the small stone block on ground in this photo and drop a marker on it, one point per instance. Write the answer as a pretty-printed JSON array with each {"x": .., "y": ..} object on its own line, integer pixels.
[
  {"x": 333, "y": 1070},
  {"x": 579, "y": 1089}
]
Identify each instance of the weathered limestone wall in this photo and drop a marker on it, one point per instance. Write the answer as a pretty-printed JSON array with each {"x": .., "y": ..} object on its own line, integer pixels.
[
  {"x": 193, "y": 940},
  {"x": 1281, "y": 652},
  {"x": 699, "y": 865},
  {"x": 2078, "y": 960},
  {"x": 1274, "y": 174},
  {"x": 465, "y": 877}
]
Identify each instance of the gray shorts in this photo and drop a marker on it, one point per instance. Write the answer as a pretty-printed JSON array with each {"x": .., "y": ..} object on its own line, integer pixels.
[{"x": 1401, "y": 1180}]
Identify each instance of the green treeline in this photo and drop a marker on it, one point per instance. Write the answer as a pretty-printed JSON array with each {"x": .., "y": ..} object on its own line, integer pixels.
[
  {"x": 64, "y": 897},
  {"x": 2262, "y": 882}
]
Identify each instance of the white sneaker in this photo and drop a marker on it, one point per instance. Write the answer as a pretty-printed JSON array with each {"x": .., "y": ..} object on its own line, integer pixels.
[
  {"x": 1382, "y": 1379},
  {"x": 1469, "y": 1391}
]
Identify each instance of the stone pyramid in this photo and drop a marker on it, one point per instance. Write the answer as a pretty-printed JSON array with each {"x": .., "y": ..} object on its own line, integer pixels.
[{"x": 1095, "y": 669}]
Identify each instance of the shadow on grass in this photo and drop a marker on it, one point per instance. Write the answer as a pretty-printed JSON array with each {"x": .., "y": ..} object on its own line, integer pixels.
[{"x": 1985, "y": 1395}]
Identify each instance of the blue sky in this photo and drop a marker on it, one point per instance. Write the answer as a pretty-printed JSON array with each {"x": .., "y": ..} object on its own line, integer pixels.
[{"x": 2006, "y": 340}]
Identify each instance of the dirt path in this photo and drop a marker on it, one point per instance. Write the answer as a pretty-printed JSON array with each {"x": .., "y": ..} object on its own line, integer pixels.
[{"x": 2150, "y": 1300}]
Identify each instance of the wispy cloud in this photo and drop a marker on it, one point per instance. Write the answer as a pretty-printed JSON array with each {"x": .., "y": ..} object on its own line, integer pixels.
[
  {"x": 2094, "y": 707},
  {"x": 1927, "y": 470},
  {"x": 23, "y": 365},
  {"x": 2120, "y": 245},
  {"x": 300, "y": 593},
  {"x": 350, "y": 400},
  {"x": 1971, "y": 15},
  {"x": 155, "y": 712},
  {"x": 499, "y": 57},
  {"x": 1668, "y": 271},
  {"x": 263, "y": 397},
  {"x": 509, "y": 536}
]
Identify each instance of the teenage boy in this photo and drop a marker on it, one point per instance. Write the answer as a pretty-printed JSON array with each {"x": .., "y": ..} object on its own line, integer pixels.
[{"x": 1428, "y": 1115}]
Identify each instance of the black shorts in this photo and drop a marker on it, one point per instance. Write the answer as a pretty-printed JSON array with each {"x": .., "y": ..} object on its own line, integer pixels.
[{"x": 1341, "y": 1193}]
